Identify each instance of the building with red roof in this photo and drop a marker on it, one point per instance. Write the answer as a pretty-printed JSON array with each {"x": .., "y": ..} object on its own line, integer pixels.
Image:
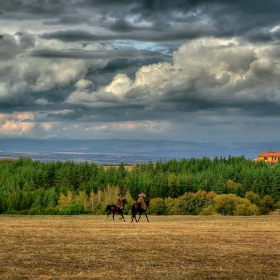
[{"x": 269, "y": 157}]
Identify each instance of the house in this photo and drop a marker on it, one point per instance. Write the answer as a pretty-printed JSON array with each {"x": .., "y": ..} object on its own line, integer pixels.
[{"x": 269, "y": 157}]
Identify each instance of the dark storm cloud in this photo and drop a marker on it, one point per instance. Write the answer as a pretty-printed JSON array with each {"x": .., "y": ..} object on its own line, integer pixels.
[
  {"x": 10, "y": 46},
  {"x": 225, "y": 62},
  {"x": 229, "y": 17},
  {"x": 83, "y": 54},
  {"x": 25, "y": 10},
  {"x": 260, "y": 36},
  {"x": 5, "y": 71},
  {"x": 85, "y": 36},
  {"x": 204, "y": 18},
  {"x": 67, "y": 20},
  {"x": 193, "y": 101},
  {"x": 106, "y": 114},
  {"x": 179, "y": 104}
]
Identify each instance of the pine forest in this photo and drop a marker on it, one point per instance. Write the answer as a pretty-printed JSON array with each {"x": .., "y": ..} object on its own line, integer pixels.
[{"x": 225, "y": 186}]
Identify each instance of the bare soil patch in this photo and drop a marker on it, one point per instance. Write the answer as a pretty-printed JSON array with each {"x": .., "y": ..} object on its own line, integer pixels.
[{"x": 170, "y": 247}]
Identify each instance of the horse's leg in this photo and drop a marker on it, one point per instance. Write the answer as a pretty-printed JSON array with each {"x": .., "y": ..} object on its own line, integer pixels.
[
  {"x": 133, "y": 214},
  {"x": 139, "y": 217},
  {"x": 123, "y": 217},
  {"x": 113, "y": 215},
  {"x": 121, "y": 212},
  {"x": 108, "y": 213},
  {"x": 147, "y": 217}
]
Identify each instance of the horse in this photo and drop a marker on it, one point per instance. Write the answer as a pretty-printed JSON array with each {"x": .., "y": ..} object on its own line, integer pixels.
[
  {"x": 137, "y": 208},
  {"x": 115, "y": 209}
]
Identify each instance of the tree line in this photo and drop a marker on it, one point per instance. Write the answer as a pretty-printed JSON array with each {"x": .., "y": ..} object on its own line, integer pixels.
[{"x": 229, "y": 186}]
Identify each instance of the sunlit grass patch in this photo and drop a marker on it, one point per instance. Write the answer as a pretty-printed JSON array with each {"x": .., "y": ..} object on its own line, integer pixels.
[{"x": 169, "y": 247}]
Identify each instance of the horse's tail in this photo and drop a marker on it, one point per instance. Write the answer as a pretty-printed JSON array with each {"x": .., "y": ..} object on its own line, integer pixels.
[{"x": 108, "y": 207}]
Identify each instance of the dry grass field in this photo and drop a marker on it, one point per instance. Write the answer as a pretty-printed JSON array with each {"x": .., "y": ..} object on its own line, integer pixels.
[
  {"x": 126, "y": 167},
  {"x": 172, "y": 247}
]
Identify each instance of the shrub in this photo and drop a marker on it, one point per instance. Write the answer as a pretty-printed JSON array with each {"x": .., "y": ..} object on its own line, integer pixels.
[
  {"x": 193, "y": 203},
  {"x": 24, "y": 211},
  {"x": 12, "y": 212},
  {"x": 266, "y": 205},
  {"x": 230, "y": 204},
  {"x": 158, "y": 206},
  {"x": 127, "y": 209},
  {"x": 171, "y": 208},
  {"x": 254, "y": 198},
  {"x": 246, "y": 210},
  {"x": 50, "y": 211},
  {"x": 34, "y": 211},
  {"x": 210, "y": 210},
  {"x": 73, "y": 209},
  {"x": 277, "y": 205},
  {"x": 268, "y": 202}
]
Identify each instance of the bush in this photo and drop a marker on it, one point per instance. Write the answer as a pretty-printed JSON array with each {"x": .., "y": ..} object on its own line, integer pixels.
[
  {"x": 230, "y": 204},
  {"x": 193, "y": 203},
  {"x": 277, "y": 205},
  {"x": 24, "y": 211},
  {"x": 171, "y": 208},
  {"x": 254, "y": 198},
  {"x": 268, "y": 203},
  {"x": 73, "y": 209},
  {"x": 127, "y": 209},
  {"x": 34, "y": 211},
  {"x": 210, "y": 210},
  {"x": 12, "y": 212},
  {"x": 158, "y": 206},
  {"x": 50, "y": 211},
  {"x": 246, "y": 210}
]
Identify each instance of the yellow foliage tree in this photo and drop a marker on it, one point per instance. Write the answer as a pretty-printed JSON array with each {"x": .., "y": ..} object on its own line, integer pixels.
[{"x": 82, "y": 198}]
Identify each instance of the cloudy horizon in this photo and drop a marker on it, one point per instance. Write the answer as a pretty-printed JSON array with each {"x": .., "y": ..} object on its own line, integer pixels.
[{"x": 187, "y": 70}]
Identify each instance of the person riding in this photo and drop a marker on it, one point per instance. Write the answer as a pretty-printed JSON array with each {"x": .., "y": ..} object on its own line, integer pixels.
[
  {"x": 118, "y": 201},
  {"x": 142, "y": 200}
]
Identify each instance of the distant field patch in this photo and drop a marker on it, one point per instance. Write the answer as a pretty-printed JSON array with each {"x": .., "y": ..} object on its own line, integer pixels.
[
  {"x": 169, "y": 247},
  {"x": 126, "y": 167}
]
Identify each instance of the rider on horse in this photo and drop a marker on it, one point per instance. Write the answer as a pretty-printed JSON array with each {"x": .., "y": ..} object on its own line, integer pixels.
[
  {"x": 142, "y": 200},
  {"x": 118, "y": 201}
]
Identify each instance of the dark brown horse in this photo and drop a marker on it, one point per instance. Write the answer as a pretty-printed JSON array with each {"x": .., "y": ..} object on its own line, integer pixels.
[
  {"x": 115, "y": 209},
  {"x": 136, "y": 208}
]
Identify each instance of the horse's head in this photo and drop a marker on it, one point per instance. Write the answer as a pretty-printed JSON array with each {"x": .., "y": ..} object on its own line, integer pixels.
[
  {"x": 124, "y": 202},
  {"x": 148, "y": 203}
]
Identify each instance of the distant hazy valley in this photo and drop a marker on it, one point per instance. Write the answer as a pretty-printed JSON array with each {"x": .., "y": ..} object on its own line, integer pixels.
[{"x": 114, "y": 151}]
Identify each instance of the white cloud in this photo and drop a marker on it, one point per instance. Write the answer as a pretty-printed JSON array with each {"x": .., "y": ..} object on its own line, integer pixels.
[
  {"x": 12, "y": 127},
  {"x": 131, "y": 127},
  {"x": 41, "y": 101},
  {"x": 212, "y": 65},
  {"x": 203, "y": 75},
  {"x": 120, "y": 85},
  {"x": 58, "y": 72},
  {"x": 22, "y": 73},
  {"x": 154, "y": 75},
  {"x": 83, "y": 84}
]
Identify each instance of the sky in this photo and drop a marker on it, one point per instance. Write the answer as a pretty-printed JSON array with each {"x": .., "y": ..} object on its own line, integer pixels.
[{"x": 186, "y": 70}]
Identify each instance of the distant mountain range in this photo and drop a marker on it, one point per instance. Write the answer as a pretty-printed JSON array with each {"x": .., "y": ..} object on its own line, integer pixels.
[{"x": 127, "y": 151}]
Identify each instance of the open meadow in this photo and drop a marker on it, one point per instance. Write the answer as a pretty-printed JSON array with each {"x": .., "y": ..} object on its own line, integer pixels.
[{"x": 169, "y": 247}]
